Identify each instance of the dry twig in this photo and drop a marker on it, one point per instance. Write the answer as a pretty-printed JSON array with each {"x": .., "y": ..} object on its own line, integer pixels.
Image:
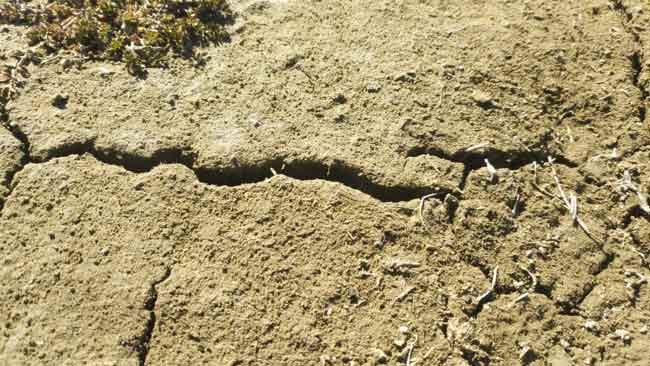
[
  {"x": 477, "y": 146},
  {"x": 421, "y": 207},
  {"x": 571, "y": 204},
  {"x": 403, "y": 295},
  {"x": 480, "y": 299},
  {"x": 492, "y": 171}
]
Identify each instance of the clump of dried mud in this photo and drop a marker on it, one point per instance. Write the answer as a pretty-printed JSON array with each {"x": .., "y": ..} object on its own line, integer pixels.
[{"x": 267, "y": 207}]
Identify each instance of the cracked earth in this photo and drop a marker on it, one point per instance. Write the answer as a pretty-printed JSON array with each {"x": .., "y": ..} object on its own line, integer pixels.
[{"x": 266, "y": 208}]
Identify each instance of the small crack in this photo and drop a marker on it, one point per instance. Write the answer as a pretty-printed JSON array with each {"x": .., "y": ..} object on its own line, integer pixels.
[
  {"x": 474, "y": 160},
  {"x": 6, "y": 181},
  {"x": 636, "y": 58},
  {"x": 500, "y": 159},
  {"x": 144, "y": 341}
]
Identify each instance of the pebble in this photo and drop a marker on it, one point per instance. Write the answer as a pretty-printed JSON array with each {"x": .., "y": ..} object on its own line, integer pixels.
[
  {"x": 104, "y": 72},
  {"x": 60, "y": 100},
  {"x": 380, "y": 356},
  {"x": 373, "y": 88},
  {"x": 591, "y": 326},
  {"x": 339, "y": 99},
  {"x": 483, "y": 99},
  {"x": 565, "y": 344},
  {"x": 621, "y": 334},
  {"x": 407, "y": 77},
  {"x": 400, "y": 342}
]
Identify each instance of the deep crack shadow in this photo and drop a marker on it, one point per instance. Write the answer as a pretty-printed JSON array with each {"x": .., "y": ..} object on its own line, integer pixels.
[
  {"x": 24, "y": 143},
  {"x": 500, "y": 159}
]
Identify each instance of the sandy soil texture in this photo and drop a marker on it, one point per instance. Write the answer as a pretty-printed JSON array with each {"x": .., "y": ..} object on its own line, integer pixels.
[{"x": 344, "y": 183}]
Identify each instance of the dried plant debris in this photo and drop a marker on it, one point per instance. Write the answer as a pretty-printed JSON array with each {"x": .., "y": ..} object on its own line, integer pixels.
[
  {"x": 141, "y": 33},
  {"x": 12, "y": 78}
]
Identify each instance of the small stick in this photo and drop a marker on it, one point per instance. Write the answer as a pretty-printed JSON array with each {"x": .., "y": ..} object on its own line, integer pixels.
[
  {"x": 536, "y": 184},
  {"x": 520, "y": 298},
  {"x": 311, "y": 81},
  {"x": 421, "y": 207},
  {"x": 644, "y": 261},
  {"x": 426, "y": 355},
  {"x": 571, "y": 204},
  {"x": 442, "y": 89},
  {"x": 487, "y": 293},
  {"x": 399, "y": 264},
  {"x": 516, "y": 204},
  {"x": 491, "y": 170},
  {"x": 477, "y": 146},
  {"x": 532, "y": 276},
  {"x": 403, "y": 295},
  {"x": 643, "y": 202},
  {"x": 411, "y": 347}
]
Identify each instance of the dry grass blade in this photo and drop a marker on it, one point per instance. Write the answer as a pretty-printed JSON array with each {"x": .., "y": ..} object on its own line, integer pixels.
[
  {"x": 421, "y": 207},
  {"x": 477, "y": 146},
  {"x": 486, "y": 294},
  {"x": 626, "y": 184},
  {"x": 571, "y": 204},
  {"x": 492, "y": 171}
]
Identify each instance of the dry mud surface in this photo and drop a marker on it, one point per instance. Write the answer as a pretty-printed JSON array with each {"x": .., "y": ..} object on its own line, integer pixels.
[{"x": 264, "y": 208}]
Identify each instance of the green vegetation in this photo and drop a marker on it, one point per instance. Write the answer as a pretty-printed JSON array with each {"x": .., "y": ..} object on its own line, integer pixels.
[{"x": 140, "y": 33}]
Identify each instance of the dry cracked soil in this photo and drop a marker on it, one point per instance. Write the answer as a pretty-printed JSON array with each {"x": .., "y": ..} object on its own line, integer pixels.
[{"x": 430, "y": 182}]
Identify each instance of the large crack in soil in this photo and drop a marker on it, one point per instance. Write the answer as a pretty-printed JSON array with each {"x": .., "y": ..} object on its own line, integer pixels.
[{"x": 340, "y": 171}]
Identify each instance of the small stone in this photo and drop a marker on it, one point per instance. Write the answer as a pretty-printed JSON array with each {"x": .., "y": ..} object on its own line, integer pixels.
[
  {"x": 104, "y": 252},
  {"x": 400, "y": 342},
  {"x": 407, "y": 77},
  {"x": 565, "y": 344},
  {"x": 622, "y": 334},
  {"x": 525, "y": 354},
  {"x": 482, "y": 99},
  {"x": 339, "y": 99},
  {"x": 559, "y": 357},
  {"x": 380, "y": 356},
  {"x": 60, "y": 100},
  {"x": 644, "y": 329},
  {"x": 403, "y": 329},
  {"x": 325, "y": 360},
  {"x": 104, "y": 72},
  {"x": 373, "y": 88},
  {"x": 66, "y": 63},
  {"x": 591, "y": 326}
]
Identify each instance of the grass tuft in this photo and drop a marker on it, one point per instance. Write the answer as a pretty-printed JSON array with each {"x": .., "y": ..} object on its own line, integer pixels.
[{"x": 141, "y": 33}]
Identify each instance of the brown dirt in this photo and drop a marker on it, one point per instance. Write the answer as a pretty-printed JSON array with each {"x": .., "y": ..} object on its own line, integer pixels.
[{"x": 144, "y": 223}]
